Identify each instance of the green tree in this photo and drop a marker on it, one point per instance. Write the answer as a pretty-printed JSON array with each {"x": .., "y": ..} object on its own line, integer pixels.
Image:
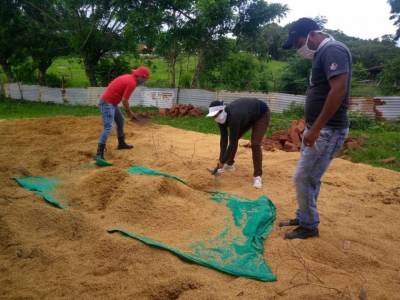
[
  {"x": 267, "y": 44},
  {"x": 214, "y": 20},
  {"x": 395, "y": 11},
  {"x": 370, "y": 53},
  {"x": 359, "y": 72},
  {"x": 294, "y": 78},
  {"x": 390, "y": 78},
  {"x": 45, "y": 42},
  {"x": 240, "y": 72},
  {"x": 12, "y": 38},
  {"x": 94, "y": 29},
  {"x": 173, "y": 33},
  {"x": 110, "y": 68}
]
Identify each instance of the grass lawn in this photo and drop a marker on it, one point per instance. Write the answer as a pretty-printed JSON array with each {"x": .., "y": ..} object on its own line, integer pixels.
[
  {"x": 71, "y": 69},
  {"x": 14, "y": 109},
  {"x": 74, "y": 73},
  {"x": 369, "y": 90},
  {"x": 381, "y": 139},
  {"x": 380, "y": 142}
]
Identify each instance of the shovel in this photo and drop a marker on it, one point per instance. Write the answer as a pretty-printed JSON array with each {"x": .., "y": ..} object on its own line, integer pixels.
[{"x": 139, "y": 119}]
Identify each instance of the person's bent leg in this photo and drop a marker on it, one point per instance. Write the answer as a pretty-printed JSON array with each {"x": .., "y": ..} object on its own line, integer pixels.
[
  {"x": 257, "y": 134},
  {"x": 119, "y": 121}
]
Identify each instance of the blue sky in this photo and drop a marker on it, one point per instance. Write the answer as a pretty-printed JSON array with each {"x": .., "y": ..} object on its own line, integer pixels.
[{"x": 366, "y": 19}]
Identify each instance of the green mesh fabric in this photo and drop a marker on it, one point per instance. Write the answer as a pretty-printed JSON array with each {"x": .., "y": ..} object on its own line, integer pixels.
[
  {"x": 151, "y": 172},
  {"x": 238, "y": 249},
  {"x": 42, "y": 186}
]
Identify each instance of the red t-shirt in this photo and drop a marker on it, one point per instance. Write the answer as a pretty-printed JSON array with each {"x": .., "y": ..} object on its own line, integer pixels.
[{"x": 118, "y": 89}]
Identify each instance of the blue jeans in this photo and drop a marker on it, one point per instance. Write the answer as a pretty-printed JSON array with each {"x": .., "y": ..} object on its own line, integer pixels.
[
  {"x": 313, "y": 163},
  {"x": 110, "y": 113}
]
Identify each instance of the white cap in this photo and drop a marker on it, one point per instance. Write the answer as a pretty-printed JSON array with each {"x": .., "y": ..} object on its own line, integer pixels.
[{"x": 214, "y": 110}]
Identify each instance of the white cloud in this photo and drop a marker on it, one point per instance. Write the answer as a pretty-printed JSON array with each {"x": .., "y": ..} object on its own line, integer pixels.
[{"x": 358, "y": 18}]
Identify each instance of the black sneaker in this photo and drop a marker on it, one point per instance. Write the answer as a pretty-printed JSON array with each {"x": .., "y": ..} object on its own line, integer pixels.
[
  {"x": 301, "y": 233},
  {"x": 289, "y": 222}
]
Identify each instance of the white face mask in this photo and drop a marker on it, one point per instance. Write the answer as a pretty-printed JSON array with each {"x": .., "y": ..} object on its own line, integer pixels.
[
  {"x": 308, "y": 53},
  {"x": 221, "y": 118}
]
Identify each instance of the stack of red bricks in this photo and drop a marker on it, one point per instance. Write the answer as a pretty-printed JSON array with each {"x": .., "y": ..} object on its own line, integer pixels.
[
  {"x": 290, "y": 140},
  {"x": 181, "y": 110},
  {"x": 146, "y": 114},
  {"x": 286, "y": 140}
]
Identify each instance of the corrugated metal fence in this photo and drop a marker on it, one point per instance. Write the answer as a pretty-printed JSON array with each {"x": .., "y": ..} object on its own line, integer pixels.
[{"x": 378, "y": 107}]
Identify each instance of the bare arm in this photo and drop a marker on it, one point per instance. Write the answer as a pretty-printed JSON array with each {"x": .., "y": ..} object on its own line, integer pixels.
[
  {"x": 125, "y": 103},
  {"x": 333, "y": 101}
]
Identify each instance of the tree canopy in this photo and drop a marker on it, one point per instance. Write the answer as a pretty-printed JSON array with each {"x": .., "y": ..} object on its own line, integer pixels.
[{"x": 230, "y": 42}]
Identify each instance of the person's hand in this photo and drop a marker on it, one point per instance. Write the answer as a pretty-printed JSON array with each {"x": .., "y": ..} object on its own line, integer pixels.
[
  {"x": 310, "y": 137},
  {"x": 218, "y": 170},
  {"x": 130, "y": 114}
]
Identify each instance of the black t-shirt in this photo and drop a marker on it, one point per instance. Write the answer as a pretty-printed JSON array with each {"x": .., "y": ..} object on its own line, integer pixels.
[
  {"x": 241, "y": 116},
  {"x": 333, "y": 59}
]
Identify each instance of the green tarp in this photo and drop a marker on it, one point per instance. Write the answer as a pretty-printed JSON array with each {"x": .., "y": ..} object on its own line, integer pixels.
[
  {"x": 237, "y": 250},
  {"x": 42, "y": 186},
  {"x": 151, "y": 172}
]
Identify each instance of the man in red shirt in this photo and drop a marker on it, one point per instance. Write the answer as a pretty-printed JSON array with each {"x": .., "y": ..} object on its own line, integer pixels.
[{"x": 120, "y": 89}]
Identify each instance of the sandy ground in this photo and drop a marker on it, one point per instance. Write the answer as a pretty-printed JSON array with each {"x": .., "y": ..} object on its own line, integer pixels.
[{"x": 51, "y": 253}]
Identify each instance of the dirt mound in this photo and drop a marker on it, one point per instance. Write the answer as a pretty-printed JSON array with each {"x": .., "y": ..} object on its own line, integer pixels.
[
  {"x": 181, "y": 110},
  {"x": 94, "y": 191},
  {"x": 46, "y": 252},
  {"x": 145, "y": 204}
]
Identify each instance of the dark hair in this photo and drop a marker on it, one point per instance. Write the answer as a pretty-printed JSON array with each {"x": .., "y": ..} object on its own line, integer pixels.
[
  {"x": 216, "y": 103},
  {"x": 301, "y": 28}
]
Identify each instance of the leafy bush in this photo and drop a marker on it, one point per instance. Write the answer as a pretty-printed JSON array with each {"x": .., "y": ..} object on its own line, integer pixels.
[
  {"x": 110, "y": 68},
  {"x": 360, "y": 121},
  {"x": 159, "y": 83},
  {"x": 53, "y": 80},
  {"x": 294, "y": 111},
  {"x": 185, "y": 80},
  {"x": 240, "y": 72},
  {"x": 390, "y": 78},
  {"x": 25, "y": 72},
  {"x": 359, "y": 72},
  {"x": 294, "y": 78}
]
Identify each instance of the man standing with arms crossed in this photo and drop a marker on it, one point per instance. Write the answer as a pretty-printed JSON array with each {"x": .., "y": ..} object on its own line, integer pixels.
[
  {"x": 120, "y": 89},
  {"x": 327, "y": 123}
]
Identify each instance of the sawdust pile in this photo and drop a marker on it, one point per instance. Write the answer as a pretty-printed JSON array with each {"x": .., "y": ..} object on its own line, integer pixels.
[{"x": 51, "y": 253}]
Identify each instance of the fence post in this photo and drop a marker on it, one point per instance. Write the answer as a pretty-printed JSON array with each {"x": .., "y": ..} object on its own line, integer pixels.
[
  {"x": 20, "y": 90},
  {"x": 63, "y": 91},
  {"x": 2, "y": 90},
  {"x": 178, "y": 94}
]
